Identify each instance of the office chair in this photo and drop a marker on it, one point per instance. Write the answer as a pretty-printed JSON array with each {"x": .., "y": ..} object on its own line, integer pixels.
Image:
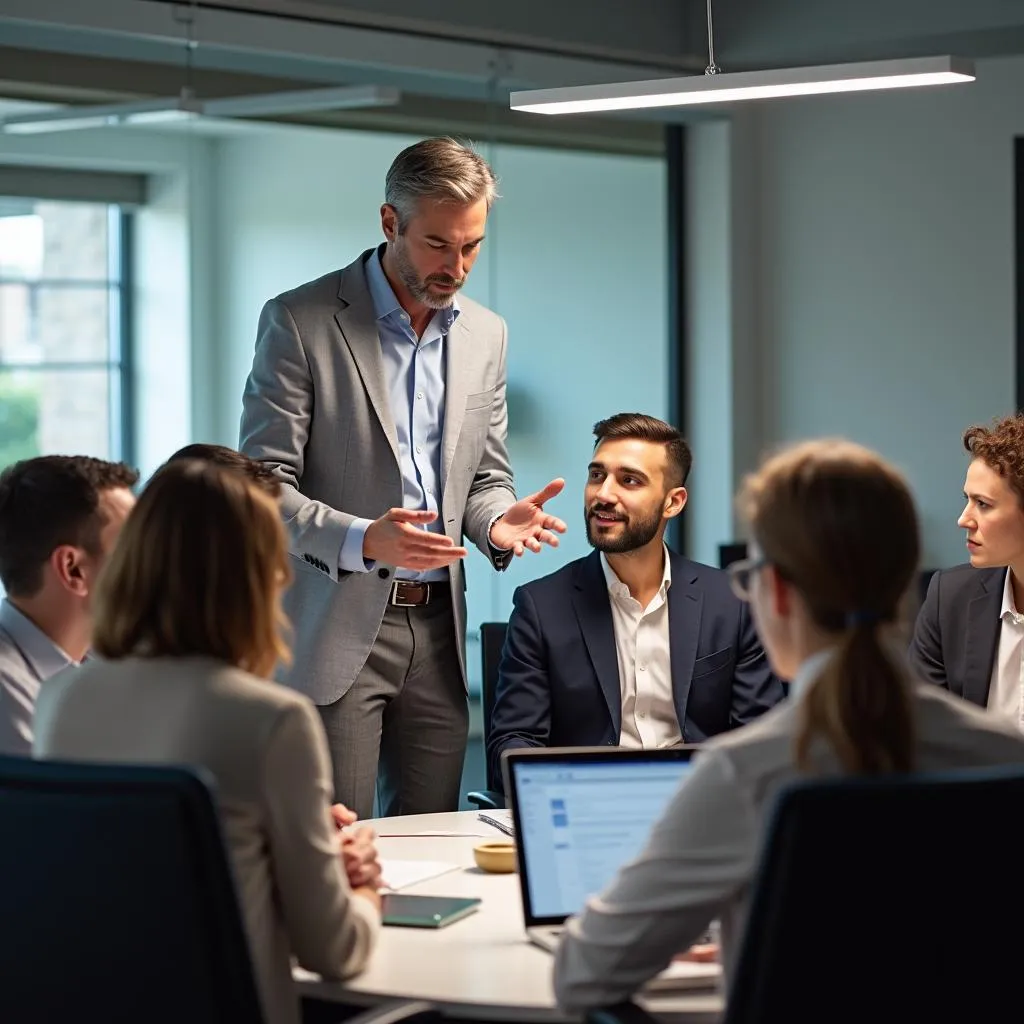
[
  {"x": 882, "y": 899},
  {"x": 492, "y": 640},
  {"x": 118, "y": 902}
]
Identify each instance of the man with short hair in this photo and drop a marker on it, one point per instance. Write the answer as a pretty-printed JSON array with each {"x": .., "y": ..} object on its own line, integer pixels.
[
  {"x": 60, "y": 516},
  {"x": 633, "y": 645},
  {"x": 378, "y": 397},
  {"x": 969, "y": 635}
]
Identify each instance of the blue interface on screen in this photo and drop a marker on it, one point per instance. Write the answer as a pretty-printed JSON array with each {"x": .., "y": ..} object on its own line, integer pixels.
[{"x": 581, "y": 822}]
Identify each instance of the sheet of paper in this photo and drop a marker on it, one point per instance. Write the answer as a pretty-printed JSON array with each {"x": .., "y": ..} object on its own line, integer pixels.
[
  {"x": 400, "y": 874},
  {"x": 433, "y": 832}
]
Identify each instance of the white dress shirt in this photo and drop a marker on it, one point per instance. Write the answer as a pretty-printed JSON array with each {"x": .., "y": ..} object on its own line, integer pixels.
[
  {"x": 700, "y": 858},
  {"x": 649, "y": 717},
  {"x": 1006, "y": 690}
]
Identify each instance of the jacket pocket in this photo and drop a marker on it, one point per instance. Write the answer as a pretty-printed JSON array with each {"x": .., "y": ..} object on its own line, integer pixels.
[{"x": 712, "y": 662}]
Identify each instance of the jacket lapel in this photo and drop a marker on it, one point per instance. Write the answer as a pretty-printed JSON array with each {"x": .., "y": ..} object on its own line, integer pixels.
[
  {"x": 357, "y": 321},
  {"x": 456, "y": 388},
  {"x": 685, "y": 605},
  {"x": 983, "y": 627},
  {"x": 594, "y": 614}
]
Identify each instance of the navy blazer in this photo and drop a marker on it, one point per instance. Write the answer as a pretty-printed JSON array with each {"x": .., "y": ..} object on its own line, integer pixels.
[
  {"x": 558, "y": 681},
  {"x": 956, "y": 636}
]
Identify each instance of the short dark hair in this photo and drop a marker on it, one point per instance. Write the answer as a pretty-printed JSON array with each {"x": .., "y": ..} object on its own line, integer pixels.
[
  {"x": 638, "y": 426},
  {"x": 1001, "y": 447},
  {"x": 257, "y": 472},
  {"x": 49, "y": 501}
]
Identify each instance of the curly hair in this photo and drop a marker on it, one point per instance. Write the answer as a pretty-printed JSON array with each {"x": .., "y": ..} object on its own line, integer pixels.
[{"x": 1001, "y": 446}]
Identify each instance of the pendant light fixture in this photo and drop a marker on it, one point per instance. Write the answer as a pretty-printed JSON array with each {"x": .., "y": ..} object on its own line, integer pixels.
[{"x": 715, "y": 87}]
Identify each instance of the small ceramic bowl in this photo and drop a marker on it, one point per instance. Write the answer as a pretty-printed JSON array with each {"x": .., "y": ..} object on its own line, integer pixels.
[{"x": 497, "y": 858}]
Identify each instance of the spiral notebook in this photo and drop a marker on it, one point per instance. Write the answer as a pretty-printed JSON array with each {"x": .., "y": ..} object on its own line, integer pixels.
[{"x": 500, "y": 820}]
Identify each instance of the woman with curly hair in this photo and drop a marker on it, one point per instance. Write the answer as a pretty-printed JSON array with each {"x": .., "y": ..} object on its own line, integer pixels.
[{"x": 969, "y": 636}]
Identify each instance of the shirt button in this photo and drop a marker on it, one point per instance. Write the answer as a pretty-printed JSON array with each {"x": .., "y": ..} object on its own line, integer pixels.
[
  {"x": 643, "y": 668},
  {"x": 405, "y": 317},
  {"x": 419, "y": 394},
  {"x": 643, "y": 714},
  {"x": 418, "y": 449}
]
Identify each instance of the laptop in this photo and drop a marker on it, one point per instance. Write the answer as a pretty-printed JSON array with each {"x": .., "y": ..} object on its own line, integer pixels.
[{"x": 568, "y": 844}]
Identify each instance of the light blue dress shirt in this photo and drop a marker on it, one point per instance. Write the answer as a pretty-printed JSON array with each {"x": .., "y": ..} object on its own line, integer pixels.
[
  {"x": 28, "y": 657},
  {"x": 414, "y": 371}
]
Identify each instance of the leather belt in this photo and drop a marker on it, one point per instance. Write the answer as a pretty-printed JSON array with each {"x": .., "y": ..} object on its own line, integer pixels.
[{"x": 411, "y": 593}]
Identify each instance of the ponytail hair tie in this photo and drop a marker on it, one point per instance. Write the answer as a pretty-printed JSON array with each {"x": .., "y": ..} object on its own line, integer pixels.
[{"x": 855, "y": 620}]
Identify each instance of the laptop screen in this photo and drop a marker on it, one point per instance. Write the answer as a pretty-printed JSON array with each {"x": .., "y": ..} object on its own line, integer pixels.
[{"x": 579, "y": 821}]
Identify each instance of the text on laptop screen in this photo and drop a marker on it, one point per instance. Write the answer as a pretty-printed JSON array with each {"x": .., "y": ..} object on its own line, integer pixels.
[{"x": 581, "y": 822}]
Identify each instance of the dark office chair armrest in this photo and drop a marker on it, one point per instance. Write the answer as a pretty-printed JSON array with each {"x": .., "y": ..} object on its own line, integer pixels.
[
  {"x": 621, "y": 1013},
  {"x": 486, "y": 799},
  {"x": 399, "y": 1010}
]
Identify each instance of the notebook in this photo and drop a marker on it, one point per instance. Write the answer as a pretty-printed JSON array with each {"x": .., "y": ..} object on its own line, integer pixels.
[{"x": 500, "y": 820}]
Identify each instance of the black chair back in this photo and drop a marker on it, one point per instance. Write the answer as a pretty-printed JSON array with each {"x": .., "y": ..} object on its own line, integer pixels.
[
  {"x": 117, "y": 903},
  {"x": 492, "y": 640},
  {"x": 893, "y": 899}
]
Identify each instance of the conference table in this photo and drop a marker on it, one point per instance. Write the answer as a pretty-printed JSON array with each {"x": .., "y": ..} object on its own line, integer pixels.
[{"x": 481, "y": 967}]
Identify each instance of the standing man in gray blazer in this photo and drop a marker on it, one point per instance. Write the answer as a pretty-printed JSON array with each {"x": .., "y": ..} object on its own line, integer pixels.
[{"x": 378, "y": 397}]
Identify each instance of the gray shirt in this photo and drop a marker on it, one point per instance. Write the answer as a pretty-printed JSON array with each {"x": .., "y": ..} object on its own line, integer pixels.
[
  {"x": 28, "y": 657},
  {"x": 700, "y": 858}
]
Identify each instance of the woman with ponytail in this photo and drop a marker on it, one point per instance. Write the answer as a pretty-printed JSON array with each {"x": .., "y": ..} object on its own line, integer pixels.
[{"x": 834, "y": 549}]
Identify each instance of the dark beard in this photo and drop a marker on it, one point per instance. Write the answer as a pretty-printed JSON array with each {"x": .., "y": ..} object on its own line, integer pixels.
[{"x": 635, "y": 533}]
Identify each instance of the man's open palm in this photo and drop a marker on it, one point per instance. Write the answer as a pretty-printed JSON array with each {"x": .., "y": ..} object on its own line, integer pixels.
[{"x": 526, "y": 526}]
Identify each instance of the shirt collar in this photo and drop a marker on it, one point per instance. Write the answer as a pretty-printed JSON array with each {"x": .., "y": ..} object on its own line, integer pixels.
[
  {"x": 385, "y": 302},
  {"x": 808, "y": 671},
  {"x": 1008, "y": 604},
  {"x": 618, "y": 588},
  {"x": 44, "y": 656}
]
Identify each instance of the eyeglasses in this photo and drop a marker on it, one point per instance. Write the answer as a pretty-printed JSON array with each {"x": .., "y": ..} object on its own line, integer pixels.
[{"x": 741, "y": 575}]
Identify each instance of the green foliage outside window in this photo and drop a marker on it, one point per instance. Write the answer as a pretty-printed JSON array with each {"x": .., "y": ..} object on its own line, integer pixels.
[{"x": 19, "y": 422}]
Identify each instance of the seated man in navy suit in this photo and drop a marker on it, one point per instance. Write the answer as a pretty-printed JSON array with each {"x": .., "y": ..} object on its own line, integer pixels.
[{"x": 633, "y": 645}]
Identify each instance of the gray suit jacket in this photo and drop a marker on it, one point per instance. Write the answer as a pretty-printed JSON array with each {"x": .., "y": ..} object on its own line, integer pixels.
[{"x": 316, "y": 408}]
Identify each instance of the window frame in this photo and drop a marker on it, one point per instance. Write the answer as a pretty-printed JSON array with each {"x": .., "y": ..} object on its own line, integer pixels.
[{"x": 119, "y": 363}]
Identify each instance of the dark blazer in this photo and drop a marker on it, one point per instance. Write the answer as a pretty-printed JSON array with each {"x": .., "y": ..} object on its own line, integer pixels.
[
  {"x": 957, "y": 632},
  {"x": 558, "y": 681}
]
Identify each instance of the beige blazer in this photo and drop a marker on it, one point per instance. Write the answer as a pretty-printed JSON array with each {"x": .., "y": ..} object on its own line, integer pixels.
[
  {"x": 316, "y": 408},
  {"x": 265, "y": 747},
  {"x": 700, "y": 859}
]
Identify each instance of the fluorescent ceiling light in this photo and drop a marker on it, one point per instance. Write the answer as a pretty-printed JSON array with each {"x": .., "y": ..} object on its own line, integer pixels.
[
  {"x": 747, "y": 85},
  {"x": 303, "y": 101},
  {"x": 186, "y": 107}
]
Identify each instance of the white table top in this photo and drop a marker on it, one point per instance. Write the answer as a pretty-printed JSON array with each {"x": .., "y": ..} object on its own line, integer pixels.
[{"x": 482, "y": 966}]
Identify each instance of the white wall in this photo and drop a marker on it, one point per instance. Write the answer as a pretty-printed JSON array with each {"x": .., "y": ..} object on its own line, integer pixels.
[
  {"x": 883, "y": 281},
  {"x": 574, "y": 260}
]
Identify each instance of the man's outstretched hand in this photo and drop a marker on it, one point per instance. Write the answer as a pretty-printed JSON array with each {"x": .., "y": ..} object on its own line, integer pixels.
[
  {"x": 399, "y": 538},
  {"x": 526, "y": 526}
]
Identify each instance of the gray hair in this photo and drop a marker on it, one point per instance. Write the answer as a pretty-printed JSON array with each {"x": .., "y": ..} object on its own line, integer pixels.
[{"x": 441, "y": 168}]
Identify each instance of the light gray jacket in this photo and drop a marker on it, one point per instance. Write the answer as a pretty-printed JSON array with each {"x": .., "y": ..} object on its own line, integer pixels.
[{"x": 316, "y": 408}]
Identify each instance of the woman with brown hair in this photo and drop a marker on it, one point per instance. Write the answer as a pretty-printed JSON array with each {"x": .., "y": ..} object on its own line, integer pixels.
[
  {"x": 834, "y": 548},
  {"x": 187, "y": 633}
]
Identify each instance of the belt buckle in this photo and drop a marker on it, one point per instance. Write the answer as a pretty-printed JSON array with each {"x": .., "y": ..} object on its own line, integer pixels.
[{"x": 397, "y": 600}]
